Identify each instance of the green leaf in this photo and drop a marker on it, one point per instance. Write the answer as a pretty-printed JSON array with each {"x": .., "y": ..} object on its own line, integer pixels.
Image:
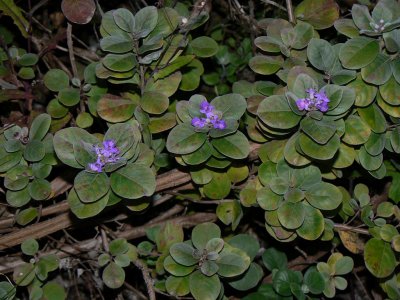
[
  {"x": 118, "y": 246},
  {"x": 357, "y": 131},
  {"x": 321, "y": 131},
  {"x": 90, "y": 187},
  {"x": 34, "y": 151},
  {"x": 86, "y": 210},
  {"x": 56, "y": 80},
  {"x": 365, "y": 93},
  {"x": 378, "y": 71},
  {"x": 369, "y": 162},
  {"x": 219, "y": 187},
  {"x": 232, "y": 262},
  {"x": 133, "y": 181},
  {"x": 9, "y": 8},
  {"x": 24, "y": 274},
  {"x": 56, "y": 109},
  {"x": 124, "y": 19},
  {"x": 7, "y": 290},
  {"x": 390, "y": 92},
  {"x": 274, "y": 259},
  {"x": 266, "y": 65},
  {"x": 234, "y": 146},
  {"x": 183, "y": 139},
  {"x": 324, "y": 196},
  {"x": 30, "y": 247},
  {"x": 275, "y": 112},
  {"x": 145, "y": 21},
  {"x": 69, "y": 96},
  {"x": 283, "y": 281},
  {"x": 183, "y": 254},
  {"x": 230, "y": 213},
  {"x": 314, "y": 281},
  {"x": 116, "y": 44},
  {"x": 319, "y": 13},
  {"x": 39, "y": 189},
  {"x": 53, "y": 291},
  {"x": 316, "y": 151},
  {"x": 115, "y": 109},
  {"x": 120, "y": 62},
  {"x": 321, "y": 55},
  {"x": 313, "y": 225},
  {"x": 249, "y": 279},
  {"x": 203, "y": 287},
  {"x": 374, "y": 117},
  {"x": 113, "y": 276},
  {"x": 18, "y": 198},
  {"x": 231, "y": 106},
  {"x": 204, "y": 46},
  {"x": 154, "y": 102},
  {"x": 347, "y": 27},
  {"x": 203, "y": 233},
  {"x": 64, "y": 141},
  {"x": 358, "y": 52},
  {"x": 361, "y": 16},
  {"x": 177, "y": 286},
  {"x": 344, "y": 265},
  {"x": 379, "y": 258},
  {"x": 291, "y": 215}
]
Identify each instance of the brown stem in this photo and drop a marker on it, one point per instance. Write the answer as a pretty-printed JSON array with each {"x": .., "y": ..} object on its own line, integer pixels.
[
  {"x": 342, "y": 227},
  {"x": 71, "y": 50},
  {"x": 289, "y": 6},
  {"x": 147, "y": 279}
]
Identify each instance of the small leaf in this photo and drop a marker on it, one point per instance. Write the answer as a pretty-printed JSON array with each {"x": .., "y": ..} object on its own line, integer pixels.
[
  {"x": 183, "y": 253},
  {"x": 379, "y": 258},
  {"x": 204, "y": 46},
  {"x": 113, "y": 276},
  {"x": 203, "y": 287}
]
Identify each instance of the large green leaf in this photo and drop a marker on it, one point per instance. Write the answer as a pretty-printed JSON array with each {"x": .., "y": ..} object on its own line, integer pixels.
[
  {"x": 365, "y": 93},
  {"x": 114, "y": 108},
  {"x": 86, "y": 210},
  {"x": 291, "y": 215},
  {"x": 378, "y": 71},
  {"x": 203, "y": 287},
  {"x": 119, "y": 62},
  {"x": 266, "y": 65},
  {"x": 90, "y": 187},
  {"x": 374, "y": 117},
  {"x": 183, "y": 253},
  {"x": 175, "y": 268},
  {"x": 357, "y": 131},
  {"x": 232, "y": 262},
  {"x": 358, "y": 52},
  {"x": 56, "y": 80},
  {"x": 313, "y": 225},
  {"x": 116, "y": 44},
  {"x": 321, "y": 131},
  {"x": 154, "y": 102},
  {"x": 183, "y": 139},
  {"x": 235, "y": 146},
  {"x": 321, "y": 55},
  {"x": 9, "y": 8},
  {"x": 204, "y": 46},
  {"x": 178, "y": 286},
  {"x": 275, "y": 112},
  {"x": 64, "y": 141},
  {"x": 316, "y": 151},
  {"x": 231, "y": 106},
  {"x": 133, "y": 181},
  {"x": 379, "y": 258},
  {"x": 324, "y": 196},
  {"x": 319, "y": 13},
  {"x": 145, "y": 21},
  {"x": 39, "y": 127}
]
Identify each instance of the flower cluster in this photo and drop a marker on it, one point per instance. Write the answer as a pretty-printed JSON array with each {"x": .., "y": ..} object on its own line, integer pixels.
[
  {"x": 314, "y": 101},
  {"x": 107, "y": 153},
  {"x": 212, "y": 118}
]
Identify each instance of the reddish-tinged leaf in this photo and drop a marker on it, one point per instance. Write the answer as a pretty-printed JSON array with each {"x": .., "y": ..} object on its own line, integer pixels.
[{"x": 78, "y": 11}]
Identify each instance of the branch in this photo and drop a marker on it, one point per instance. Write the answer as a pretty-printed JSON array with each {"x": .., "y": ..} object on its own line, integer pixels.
[{"x": 147, "y": 279}]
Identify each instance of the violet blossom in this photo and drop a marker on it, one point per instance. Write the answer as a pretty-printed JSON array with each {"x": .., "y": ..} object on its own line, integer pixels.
[
  {"x": 212, "y": 117},
  {"x": 314, "y": 101},
  {"x": 106, "y": 153}
]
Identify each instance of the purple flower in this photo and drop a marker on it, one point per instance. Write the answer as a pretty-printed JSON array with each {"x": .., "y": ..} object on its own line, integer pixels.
[
  {"x": 107, "y": 153},
  {"x": 314, "y": 101},
  {"x": 199, "y": 123},
  {"x": 219, "y": 124},
  {"x": 212, "y": 117}
]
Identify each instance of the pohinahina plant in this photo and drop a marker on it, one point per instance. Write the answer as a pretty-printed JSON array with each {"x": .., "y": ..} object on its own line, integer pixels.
[
  {"x": 293, "y": 200},
  {"x": 120, "y": 154},
  {"x": 121, "y": 254},
  {"x": 198, "y": 265},
  {"x": 27, "y": 158},
  {"x": 35, "y": 273}
]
